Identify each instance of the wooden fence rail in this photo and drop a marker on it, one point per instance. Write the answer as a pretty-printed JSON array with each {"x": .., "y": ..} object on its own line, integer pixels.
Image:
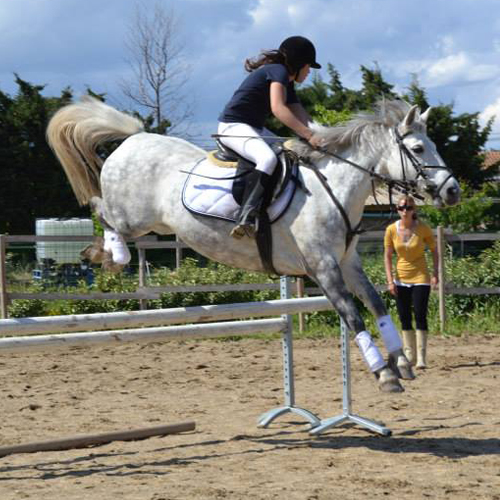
[{"x": 144, "y": 292}]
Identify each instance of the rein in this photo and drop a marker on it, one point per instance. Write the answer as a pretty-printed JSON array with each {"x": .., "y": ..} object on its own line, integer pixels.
[
  {"x": 405, "y": 185},
  {"x": 351, "y": 233}
]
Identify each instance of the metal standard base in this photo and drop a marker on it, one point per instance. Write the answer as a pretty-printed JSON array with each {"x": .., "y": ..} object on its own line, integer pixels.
[
  {"x": 347, "y": 416},
  {"x": 287, "y": 344},
  {"x": 340, "y": 419},
  {"x": 269, "y": 416}
]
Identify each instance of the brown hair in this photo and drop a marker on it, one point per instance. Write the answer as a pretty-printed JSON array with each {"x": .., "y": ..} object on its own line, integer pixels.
[
  {"x": 266, "y": 57},
  {"x": 406, "y": 198}
]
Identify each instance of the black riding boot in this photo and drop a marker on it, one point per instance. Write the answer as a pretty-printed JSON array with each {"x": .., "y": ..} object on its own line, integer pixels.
[{"x": 248, "y": 218}]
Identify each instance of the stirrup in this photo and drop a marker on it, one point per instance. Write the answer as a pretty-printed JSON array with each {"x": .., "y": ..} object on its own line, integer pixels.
[{"x": 245, "y": 229}]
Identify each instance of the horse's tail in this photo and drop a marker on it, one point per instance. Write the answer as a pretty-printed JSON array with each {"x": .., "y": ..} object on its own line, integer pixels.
[{"x": 74, "y": 133}]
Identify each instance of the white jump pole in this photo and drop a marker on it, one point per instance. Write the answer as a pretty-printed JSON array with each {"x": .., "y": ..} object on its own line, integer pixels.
[
  {"x": 347, "y": 415},
  {"x": 288, "y": 378},
  {"x": 160, "y": 317},
  {"x": 65, "y": 340}
]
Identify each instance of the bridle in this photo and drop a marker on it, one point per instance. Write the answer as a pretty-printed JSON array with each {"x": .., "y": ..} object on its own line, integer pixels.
[
  {"x": 404, "y": 185},
  {"x": 406, "y": 155}
]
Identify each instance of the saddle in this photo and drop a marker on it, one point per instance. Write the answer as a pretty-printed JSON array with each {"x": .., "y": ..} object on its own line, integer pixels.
[
  {"x": 283, "y": 173},
  {"x": 286, "y": 171}
]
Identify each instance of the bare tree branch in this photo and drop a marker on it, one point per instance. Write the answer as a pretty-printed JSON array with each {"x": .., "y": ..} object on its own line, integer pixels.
[{"x": 159, "y": 69}]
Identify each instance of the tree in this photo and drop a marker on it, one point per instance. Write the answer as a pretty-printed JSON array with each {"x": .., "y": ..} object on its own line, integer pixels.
[
  {"x": 159, "y": 70},
  {"x": 33, "y": 183},
  {"x": 459, "y": 139},
  {"x": 475, "y": 212},
  {"x": 374, "y": 87}
]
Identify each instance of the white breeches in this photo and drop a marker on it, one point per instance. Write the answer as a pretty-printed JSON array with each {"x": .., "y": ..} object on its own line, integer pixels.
[{"x": 250, "y": 143}]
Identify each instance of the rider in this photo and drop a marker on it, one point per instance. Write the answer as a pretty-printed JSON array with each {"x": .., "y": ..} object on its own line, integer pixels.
[{"x": 269, "y": 88}]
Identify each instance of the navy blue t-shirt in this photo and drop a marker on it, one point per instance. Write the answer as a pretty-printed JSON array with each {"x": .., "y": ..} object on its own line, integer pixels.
[{"x": 251, "y": 103}]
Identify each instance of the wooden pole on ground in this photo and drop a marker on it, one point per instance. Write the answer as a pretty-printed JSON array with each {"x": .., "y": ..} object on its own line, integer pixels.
[
  {"x": 3, "y": 278},
  {"x": 441, "y": 278},
  {"x": 82, "y": 441}
]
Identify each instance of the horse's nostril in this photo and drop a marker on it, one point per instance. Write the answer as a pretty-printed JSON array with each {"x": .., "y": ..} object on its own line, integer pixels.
[{"x": 452, "y": 191}]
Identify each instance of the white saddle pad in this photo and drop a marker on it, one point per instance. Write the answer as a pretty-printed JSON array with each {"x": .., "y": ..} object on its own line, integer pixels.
[{"x": 214, "y": 198}]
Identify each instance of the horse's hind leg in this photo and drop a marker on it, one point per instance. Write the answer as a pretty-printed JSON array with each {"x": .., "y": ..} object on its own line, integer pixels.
[
  {"x": 111, "y": 250},
  {"x": 328, "y": 276},
  {"x": 104, "y": 250},
  {"x": 359, "y": 284}
]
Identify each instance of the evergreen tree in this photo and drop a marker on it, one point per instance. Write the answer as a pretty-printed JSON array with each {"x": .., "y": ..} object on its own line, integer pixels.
[
  {"x": 374, "y": 87},
  {"x": 33, "y": 183},
  {"x": 459, "y": 139}
]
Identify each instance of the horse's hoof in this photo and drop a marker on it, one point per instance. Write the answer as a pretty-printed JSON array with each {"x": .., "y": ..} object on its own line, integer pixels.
[
  {"x": 112, "y": 267},
  {"x": 401, "y": 367},
  {"x": 388, "y": 381}
]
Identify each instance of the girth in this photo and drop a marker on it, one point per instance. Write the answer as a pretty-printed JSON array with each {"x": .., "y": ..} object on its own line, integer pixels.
[{"x": 283, "y": 173}]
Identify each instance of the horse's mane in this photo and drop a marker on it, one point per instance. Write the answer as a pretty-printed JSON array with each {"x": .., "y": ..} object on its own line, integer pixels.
[{"x": 386, "y": 114}]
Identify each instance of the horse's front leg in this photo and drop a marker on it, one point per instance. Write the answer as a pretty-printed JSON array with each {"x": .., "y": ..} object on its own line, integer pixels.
[
  {"x": 328, "y": 276},
  {"x": 358, "y": 283}
]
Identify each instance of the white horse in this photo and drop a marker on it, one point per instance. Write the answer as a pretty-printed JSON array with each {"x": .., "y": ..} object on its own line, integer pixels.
[{"x": 138, "y": 190}]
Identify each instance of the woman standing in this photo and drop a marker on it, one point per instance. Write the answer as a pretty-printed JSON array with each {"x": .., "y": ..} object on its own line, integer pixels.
[
  {"x": 412, "y": 282},
  {"x": 268, "y": 89}
]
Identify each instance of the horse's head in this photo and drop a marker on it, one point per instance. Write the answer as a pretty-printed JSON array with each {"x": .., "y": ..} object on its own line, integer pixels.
[{"x": 415, "y": 161}]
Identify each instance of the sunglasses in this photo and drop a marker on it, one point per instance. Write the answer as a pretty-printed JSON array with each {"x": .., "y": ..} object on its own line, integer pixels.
[{"x": 406, "y": 207}]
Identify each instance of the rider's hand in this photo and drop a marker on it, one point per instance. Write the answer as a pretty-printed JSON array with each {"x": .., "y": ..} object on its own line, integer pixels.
[
  {"x": 316, "y": 142},
  {"x": 392, "y": 288}
]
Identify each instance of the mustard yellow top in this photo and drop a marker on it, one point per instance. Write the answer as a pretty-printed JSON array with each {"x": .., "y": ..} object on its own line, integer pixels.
[{"x": 411, "y": 266}]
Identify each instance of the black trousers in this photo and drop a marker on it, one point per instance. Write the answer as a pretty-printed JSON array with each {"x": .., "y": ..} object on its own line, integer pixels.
[{"x": 413, "y": 300}]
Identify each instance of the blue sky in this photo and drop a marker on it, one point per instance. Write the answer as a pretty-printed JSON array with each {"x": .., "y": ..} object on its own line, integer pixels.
[{"x": 452, "y": 46}]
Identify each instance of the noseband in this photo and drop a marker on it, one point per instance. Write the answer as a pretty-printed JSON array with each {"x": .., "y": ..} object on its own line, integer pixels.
[{"x": 406, "y": 155}]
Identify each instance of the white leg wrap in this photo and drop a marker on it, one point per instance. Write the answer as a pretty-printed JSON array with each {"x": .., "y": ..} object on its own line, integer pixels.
[
  {"x": 114, "y": 243},
  {"x": 390, "y": 335},
  {"x": 370, "y": 352}
]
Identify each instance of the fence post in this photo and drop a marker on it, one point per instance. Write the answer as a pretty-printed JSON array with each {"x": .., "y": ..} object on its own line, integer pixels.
[
  {"x": 178, "y": 254},
  {"x": 3, "y": 278},
  {"x": 300, "y": 295},
  {"x": 441, "y": 277},
  {"x": 143, "y": 303}
]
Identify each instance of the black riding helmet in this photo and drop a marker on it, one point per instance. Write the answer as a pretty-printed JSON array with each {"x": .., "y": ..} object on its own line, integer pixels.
[{"x": 299, "y": 51}]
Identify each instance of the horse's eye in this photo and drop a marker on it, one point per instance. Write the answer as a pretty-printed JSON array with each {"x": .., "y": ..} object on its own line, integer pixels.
[{"x": 418, "y": 149}]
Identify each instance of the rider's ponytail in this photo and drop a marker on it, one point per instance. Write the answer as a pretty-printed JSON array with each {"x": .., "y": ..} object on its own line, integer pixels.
[{"x": 266, "y": 57}]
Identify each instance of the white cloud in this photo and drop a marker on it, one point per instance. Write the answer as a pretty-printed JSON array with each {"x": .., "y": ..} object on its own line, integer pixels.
[
  {"x": 446, "y": 70},
  {"x": 454, "y": 51},
  {"x": 459, "y": 68},
  {"x": 492, "y": 111}
]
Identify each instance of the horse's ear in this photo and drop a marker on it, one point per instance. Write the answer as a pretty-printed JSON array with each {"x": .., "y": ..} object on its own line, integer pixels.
[
  {"x": 425, "y": 115},
  {"x": 410, "y": 117}
]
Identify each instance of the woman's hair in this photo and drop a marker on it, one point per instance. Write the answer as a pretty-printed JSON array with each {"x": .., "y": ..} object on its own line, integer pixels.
[
  {"x": 406, "y": 198},
  {"x": 409, "y": 198},
  {"x": 266, "y": 57}
]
